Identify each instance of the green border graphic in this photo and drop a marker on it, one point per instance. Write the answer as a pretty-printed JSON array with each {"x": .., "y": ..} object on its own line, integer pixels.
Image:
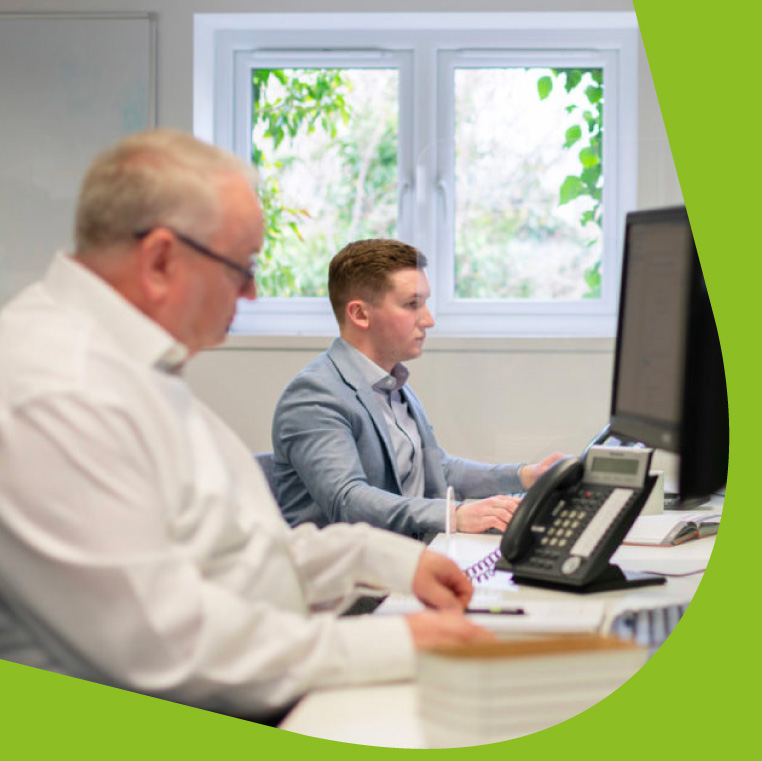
[{"x": 687, "y": 701}]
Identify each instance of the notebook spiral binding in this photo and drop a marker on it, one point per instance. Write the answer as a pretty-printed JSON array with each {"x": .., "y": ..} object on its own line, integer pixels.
[{"x": 483, "y": 569}]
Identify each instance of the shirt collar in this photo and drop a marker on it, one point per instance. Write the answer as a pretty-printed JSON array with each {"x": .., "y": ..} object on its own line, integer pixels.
[
  {"x": 376, "y": 377},
  {"x": 73, "y": 285}
]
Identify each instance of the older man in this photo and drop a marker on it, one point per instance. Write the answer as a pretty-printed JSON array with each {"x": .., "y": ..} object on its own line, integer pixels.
[{"x": 139, "y": 545}]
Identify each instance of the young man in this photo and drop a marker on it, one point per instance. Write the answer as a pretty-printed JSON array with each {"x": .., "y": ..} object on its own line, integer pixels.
[
  {"x": 351, "y": 440},
  {"x": 139, "y": 543}
]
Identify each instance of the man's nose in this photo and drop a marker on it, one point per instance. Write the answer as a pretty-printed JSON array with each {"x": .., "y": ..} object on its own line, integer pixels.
[{"x": 426, "y": 321}]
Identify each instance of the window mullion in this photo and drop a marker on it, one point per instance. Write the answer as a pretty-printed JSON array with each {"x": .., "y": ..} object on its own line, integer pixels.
[
  {"x": 425, "y": 142},
  {"x": 447, "y": 201},
  {"x": 406, "y": 221}
]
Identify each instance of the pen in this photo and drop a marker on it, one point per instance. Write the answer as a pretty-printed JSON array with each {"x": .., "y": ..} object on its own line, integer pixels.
[
  {"x": 498, "y": 611},
  {"x": 450, "y": 508}
]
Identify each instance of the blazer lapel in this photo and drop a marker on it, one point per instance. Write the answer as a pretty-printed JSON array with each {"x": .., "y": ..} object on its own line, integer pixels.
[{"x": 367, "y": 397}]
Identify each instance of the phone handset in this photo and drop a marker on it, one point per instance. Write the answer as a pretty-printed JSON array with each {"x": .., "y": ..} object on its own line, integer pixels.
[{"x": 558, "y": 478}]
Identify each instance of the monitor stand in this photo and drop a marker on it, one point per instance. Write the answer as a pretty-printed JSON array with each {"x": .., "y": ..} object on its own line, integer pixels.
[{"x": 676, "y": 502}]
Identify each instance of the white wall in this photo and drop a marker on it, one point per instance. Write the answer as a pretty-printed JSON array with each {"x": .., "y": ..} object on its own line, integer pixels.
[{"x": 488, "y": 398}]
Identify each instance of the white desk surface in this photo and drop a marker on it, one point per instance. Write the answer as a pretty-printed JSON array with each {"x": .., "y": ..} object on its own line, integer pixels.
[{"x": 387, "y": 715}]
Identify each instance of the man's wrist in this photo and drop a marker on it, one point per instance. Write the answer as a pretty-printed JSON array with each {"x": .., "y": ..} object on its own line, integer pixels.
[
  {"x": 522, "y": 481},
  {"x": 457, "y": 507}
]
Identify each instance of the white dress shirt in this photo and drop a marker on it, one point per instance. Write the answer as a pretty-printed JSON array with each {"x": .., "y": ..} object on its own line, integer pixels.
[{"x": 139, "y": 543}]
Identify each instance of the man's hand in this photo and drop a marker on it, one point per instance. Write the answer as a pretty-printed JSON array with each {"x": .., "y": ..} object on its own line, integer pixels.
[
  {"x": 439, "y": 583},
  {"x": 493, "y": 512},
  {"x": 439, "y": 628},
  {"x": 530, "y": 473}
]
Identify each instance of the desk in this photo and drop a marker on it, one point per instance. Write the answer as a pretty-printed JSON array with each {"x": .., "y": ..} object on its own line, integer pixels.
[{"x": 387, "y": 715}]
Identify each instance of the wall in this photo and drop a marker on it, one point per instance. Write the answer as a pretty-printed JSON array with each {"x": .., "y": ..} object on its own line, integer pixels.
[{"x": 490, "y": 399}]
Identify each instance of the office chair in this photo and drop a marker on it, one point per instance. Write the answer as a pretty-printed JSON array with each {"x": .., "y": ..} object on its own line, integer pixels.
[{"x": 265, "y": 461}]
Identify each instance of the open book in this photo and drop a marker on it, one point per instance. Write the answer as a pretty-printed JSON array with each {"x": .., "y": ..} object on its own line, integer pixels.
[{"x": 672, "y": 528}]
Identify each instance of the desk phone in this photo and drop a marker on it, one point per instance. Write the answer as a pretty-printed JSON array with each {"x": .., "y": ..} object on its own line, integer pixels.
[{"x": 573, "y": 519}]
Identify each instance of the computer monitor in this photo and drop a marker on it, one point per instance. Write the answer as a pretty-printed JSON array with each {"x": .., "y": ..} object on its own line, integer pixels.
[{"x": 669, "y": 380}]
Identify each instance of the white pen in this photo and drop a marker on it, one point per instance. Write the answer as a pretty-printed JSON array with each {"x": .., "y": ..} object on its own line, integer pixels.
[{"x": 450, "y": 510}]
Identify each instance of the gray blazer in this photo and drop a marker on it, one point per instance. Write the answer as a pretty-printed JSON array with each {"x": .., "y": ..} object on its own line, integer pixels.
[{"x": 334, "y": 462}]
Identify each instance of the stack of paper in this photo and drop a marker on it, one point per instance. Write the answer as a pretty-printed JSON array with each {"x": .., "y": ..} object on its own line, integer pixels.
[
  {"x": 505, "y": 616},
  {"x": 477, "y": 694}
]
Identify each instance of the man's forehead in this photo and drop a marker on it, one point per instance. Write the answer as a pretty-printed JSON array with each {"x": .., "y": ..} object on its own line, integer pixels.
[{"x": 411, "y": 281}]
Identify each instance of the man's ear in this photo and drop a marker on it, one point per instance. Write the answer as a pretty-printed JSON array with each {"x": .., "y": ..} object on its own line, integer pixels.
[
  {"x": 358, "y": 314},
  {"x": 157, "y": 264}
]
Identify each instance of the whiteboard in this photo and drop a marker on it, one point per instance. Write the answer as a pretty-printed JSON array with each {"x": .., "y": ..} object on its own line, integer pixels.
[{"x": 70, "y": 85}]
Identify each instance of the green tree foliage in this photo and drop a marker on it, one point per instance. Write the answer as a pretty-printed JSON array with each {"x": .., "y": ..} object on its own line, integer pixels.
[
  {"x": 351, "y": 161},
  {"x": 291, "y": 103},
  {"x": 307, "y": 100},
  {"x": 587, "y": 136}
]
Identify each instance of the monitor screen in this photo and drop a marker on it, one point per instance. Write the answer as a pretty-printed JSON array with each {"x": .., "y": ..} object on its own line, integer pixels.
[{"x": 669, "y": 381}]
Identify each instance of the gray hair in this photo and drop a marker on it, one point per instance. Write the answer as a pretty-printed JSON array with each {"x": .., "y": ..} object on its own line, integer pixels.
[{"x": 152, "y": 178}]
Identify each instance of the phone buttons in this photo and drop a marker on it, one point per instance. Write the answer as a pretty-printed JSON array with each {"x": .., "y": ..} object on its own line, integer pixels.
[{"x": 570, "y": 565}]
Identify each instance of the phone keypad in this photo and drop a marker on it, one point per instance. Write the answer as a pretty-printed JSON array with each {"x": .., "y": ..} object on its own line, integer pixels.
[
  {"x": 602, "y": 520},
  {"x": 574, "y": 519}
]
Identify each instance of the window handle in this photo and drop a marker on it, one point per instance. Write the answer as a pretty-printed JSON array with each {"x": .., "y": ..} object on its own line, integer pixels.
[
  {"x": 403, "y": 210},
  {"x": 444, "y": 190}
]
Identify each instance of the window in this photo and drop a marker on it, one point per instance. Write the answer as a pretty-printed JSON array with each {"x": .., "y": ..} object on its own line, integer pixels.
[
  {"x": 502, "y": 145},
  {"x": 325, "y": 143}
]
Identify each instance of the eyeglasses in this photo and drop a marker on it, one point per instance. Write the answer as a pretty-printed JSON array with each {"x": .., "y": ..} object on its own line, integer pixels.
[{"x": 247, "y": 273}]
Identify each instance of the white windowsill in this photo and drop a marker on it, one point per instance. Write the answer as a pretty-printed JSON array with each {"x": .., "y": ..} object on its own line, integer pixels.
[{"x": 434, "y": 344}]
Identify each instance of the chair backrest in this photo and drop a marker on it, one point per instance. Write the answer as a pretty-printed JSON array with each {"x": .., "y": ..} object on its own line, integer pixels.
[{"x": 265, "y": 460}]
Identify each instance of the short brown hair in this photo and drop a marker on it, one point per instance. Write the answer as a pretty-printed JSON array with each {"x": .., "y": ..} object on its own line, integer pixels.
[{"x": 361, "y": 270}]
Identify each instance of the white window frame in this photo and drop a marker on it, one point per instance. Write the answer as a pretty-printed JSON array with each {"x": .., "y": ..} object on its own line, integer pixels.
[{"x": 426, "y": 47}]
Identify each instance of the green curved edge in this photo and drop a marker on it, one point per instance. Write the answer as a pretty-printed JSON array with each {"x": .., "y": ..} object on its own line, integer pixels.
[{"x": 687, "y": 701}]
